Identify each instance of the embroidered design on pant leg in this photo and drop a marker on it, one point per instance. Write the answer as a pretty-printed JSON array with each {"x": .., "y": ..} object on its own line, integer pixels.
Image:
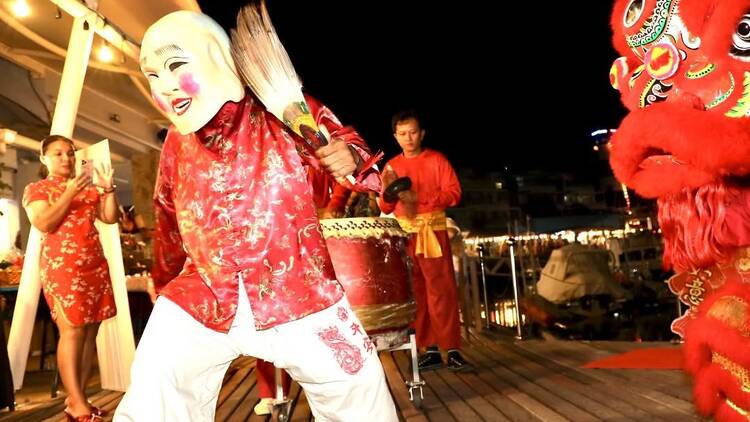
[
  {"x": 342, "y": 313},
  {"x": 347, "y": 355}
]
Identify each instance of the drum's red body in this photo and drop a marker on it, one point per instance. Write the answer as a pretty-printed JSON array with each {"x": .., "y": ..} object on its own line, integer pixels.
[{"x": 368, "y": 256}]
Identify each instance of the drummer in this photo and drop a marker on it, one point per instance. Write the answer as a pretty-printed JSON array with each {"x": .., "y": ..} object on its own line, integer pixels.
[{"x": 421, "y": 211}]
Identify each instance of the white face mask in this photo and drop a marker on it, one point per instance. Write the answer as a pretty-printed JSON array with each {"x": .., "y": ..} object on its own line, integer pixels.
[{"x": 186, "y": 58}]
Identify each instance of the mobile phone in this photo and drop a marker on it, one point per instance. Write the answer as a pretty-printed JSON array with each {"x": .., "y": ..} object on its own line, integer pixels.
[{"x": 85, "y": 167}]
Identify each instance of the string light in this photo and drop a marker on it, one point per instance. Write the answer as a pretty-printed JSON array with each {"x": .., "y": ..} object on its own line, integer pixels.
[{"x": 627, "y": 198}]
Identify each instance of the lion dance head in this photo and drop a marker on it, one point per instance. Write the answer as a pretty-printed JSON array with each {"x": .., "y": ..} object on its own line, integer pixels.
[{"x": 684, "y": 75}]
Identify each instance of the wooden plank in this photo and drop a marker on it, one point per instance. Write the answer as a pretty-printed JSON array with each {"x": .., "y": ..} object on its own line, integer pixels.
[
  {"x": 241, "y": 396},
  {"x": 537, "y": 408},
  {"x": 235, "y": 375},
  {"x": 674, "y": 386},
  {"x": 682, "y": 406},
  {"x": 569, "y": 354},
  {"x": 458, "y": 408},
  {"x": 672, "y": 383},
  {"x": 578, "y": 353},
  {"x": 665, "y": 380},
  {"x": 54, "y": 410},
  {"x": 475, "y": 401},
  {"x": 551, "y": 381},
  {"x": 559, "y": 354},
  {"x": 243, "y": 410},
  {"x": 628, "y": 390},
  {"x": 602, "y": 393},
  {"x": 552, "y": 399},
  {"x": 508, "y": 407},
  {"x": 632, "y": 395},
  {"x": 504, "y": 388}
]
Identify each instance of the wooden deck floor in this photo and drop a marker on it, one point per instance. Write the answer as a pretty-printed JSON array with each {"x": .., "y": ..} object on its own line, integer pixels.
[{"x": 531, "y": 380}]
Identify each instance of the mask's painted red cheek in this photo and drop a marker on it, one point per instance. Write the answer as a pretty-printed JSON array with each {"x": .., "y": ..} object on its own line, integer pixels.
[{"x": 188, "y": 84}]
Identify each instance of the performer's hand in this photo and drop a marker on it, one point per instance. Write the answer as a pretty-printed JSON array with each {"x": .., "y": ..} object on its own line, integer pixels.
[
  {"x": 106, "y": 175},
  {"x": 337, "y": 158},
  {"x": 388, "y": 176},
  {"x": 408, "y": 196},
  {"x": 78, "y": 183}
]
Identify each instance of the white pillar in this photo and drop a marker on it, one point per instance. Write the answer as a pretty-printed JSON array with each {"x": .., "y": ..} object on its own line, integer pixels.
[{"x": 71, "y": 83}]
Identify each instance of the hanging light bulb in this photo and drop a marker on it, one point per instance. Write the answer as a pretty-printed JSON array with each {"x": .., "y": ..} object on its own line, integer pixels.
[
  {"x": 105, "y": 54},
  {"x": 20, "y": 8}
]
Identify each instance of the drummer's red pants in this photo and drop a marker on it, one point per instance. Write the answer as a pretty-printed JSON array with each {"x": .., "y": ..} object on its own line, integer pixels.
[
  {"x": 436, "y": 296},
  {"x": 266, "y": 374}
]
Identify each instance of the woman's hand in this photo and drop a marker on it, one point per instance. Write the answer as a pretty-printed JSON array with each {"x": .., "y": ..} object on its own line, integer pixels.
[
  {"x": 106, "y": 175},
  {"x": 77, "y": 184}
]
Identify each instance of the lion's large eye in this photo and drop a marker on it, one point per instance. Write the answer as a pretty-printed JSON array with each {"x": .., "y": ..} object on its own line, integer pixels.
[
  {"x": 741, "y": 39},
  {"x": 632, "y": 13}
]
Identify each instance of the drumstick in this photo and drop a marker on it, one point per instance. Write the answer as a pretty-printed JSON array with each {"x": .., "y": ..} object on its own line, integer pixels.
[{"x": 266, "y": 68}]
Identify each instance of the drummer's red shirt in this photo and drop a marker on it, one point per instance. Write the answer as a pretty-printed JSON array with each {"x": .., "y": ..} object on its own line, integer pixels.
[
  {"x": 327, "y": 193},
  {"x": 433, "y": 180},
  {"x": 234, "y": 198}
]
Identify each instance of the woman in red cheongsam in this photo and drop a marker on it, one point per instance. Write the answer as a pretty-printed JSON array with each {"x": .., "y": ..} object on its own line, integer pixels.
[{"x": 74, "y": 273}]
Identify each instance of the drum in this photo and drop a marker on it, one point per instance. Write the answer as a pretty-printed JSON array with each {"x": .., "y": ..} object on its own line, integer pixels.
[{"x": 369, "y": 257}]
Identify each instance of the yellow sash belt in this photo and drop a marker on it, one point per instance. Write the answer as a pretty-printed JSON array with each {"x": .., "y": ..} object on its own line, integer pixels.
[{"x": 424, "y": 225}]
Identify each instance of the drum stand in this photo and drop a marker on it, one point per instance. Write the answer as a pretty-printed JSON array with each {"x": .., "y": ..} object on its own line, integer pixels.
[
  {"x": 282, "y": 406},
  {"x": 382, "y": 343},
  {"x": 416, "y": 383}
]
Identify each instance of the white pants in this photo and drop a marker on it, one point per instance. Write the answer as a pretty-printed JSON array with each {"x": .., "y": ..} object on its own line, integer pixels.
[{"x": 180, "y": 364}]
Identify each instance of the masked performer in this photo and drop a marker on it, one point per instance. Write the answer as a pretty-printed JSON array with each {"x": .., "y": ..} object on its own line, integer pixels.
[{"x": 237, "y": 240}]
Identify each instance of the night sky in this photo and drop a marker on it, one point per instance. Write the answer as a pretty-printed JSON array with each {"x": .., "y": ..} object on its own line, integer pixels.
[{"x": 459, "y": 64}]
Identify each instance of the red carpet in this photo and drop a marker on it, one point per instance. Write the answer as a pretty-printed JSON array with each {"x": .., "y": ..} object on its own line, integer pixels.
[{"x": 655, "y": 358}]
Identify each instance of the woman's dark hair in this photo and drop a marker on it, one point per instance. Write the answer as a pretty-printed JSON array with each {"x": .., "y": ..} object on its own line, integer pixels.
[{"x": 46, "y": 142}]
